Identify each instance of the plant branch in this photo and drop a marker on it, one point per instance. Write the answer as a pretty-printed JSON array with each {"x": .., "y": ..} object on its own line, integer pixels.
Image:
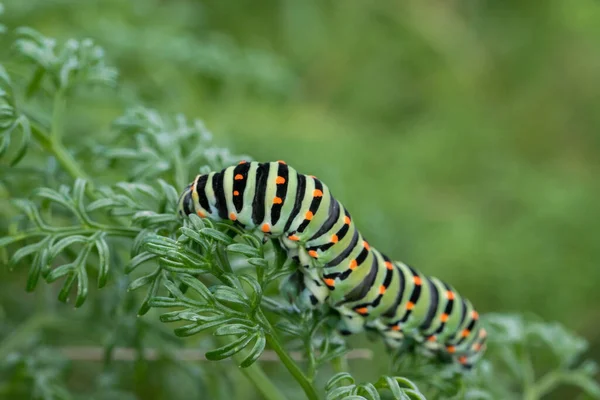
[
  {"x": 53, "y": 146},
  {"x": 285, "y": 358}
]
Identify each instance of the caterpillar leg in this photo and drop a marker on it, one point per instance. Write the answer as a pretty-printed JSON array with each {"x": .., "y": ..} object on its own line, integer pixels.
[
  {"x": 350, "y": 322},
  {"x": 304, "y": 289}
]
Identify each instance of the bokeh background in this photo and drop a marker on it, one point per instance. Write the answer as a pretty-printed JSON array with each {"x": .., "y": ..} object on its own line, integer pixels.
[{"x": 464, "y": 136}]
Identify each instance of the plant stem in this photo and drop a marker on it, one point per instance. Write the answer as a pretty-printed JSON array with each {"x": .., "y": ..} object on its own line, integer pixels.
[
  {"x": 339, "y": 364},
  {"x": 58, "y": 112},
  {"x": 257, "y": 376},
  {"x": 264, "y": 385},
  {"x": 285, "y": 358},
  {"x": 543, "y": 386},
  {"x": 54, "y": 147},
  {"x": 291, "y": 366}
]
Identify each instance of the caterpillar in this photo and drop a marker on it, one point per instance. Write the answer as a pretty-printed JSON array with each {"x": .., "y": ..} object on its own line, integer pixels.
[{"x": 336, "y": 265}]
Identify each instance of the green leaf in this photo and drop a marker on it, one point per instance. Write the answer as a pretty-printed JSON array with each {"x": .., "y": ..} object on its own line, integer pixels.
[
  {"x": 139, "y": 260},
  {"x": 23, "y": 122},
  {"x": 34, "y": 273},
  {"x": 197, "y": 286},
  {"x": 62, "y": 244},
  {"x": 392, "y": 385},
  {"x": 587, "y": 383},
  {"x": 243, "y": 249},
  {"x": 216, "y": 235},
  {"x": 142, "y": 281},
  {"x": 228, "y": 295},
  {"x": 192, "y": 329},
  {"x": 229, "y": 349},
  {"x": 60, "y": 271},
  {"x": 406, "y": 383},
  {"x": 232, "y": 329},
  {"x": 255, "y": 352},
  {"x": 27, "y": 250},
  {"x": 82, "y": 285},
  {"x": 103, "y": 261},
  {"x": 56, "y": 197},
  {"x": 165, "y": 302},
  {"x": 171, "y": 194},
  {"x": 173, "y": 289},
  {"x": 152, "y": 292},
  {"x": 337, "y": 379},
  {"x": 339, "y": 392},
  {"x": 414, "y": 394},
  {"x": 101, "y": 203},
  {"x": 63, "y": 295},
  {"x": 370, "y": 390},
  {"x": 258, "y": 262}
]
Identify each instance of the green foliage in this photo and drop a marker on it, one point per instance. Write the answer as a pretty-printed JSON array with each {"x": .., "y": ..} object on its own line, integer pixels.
[
  {"x": 74, "y": 63},
  {"x": 85, "y": 201},
  {"x": 401, "y": 388},
  {"x": 12, "y": 124}
]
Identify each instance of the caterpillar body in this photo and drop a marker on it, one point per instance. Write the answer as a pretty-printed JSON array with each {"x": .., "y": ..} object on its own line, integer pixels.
[{"x": 335, "y": 264}]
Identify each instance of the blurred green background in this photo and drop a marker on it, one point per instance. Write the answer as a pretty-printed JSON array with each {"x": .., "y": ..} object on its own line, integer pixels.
[{"x": 463, "y": 136}]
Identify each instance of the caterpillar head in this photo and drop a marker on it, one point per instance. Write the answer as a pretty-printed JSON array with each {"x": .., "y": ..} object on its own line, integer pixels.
[
  {"x": 189, "y": 201},
  {"x": 186, "y": 204}
]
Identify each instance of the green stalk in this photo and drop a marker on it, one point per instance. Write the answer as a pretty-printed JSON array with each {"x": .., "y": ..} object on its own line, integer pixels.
[
  {"x": 543, "y": 386},
  {"x": 58, "y": 113},
  {"x": 292, "y": 367},
  {"x": 257, "y": 376},
  {"x": 285, "y": 358},
  {"x": 54, "y": 147}
]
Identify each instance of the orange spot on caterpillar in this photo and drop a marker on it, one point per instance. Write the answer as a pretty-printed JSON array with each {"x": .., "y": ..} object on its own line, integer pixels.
[
  {"x": 313, "y": 254},
  {"x": 312, "y": 176},
  {"x": 474, "y": 315},
  {"x": 431, "y": 338},
  {"x": 329, "y": 282},
  {"x": 410, "y": 305},
  {"x": 395, "y": 328},
  {"x": 366, "y": 245},
  {"x": 451, "y": 349},
  {"x": 444, "y": 317},
  {"x": 232, "y": 216},
  {"x": 477, "y": 346},
  {"x": 462, "y": 359},
  {"x": 281, "y": 162},
  {"x": 482, "y": 333},
  {"x": 362, "y": 310},
  {"x": 450, "y": 295},
  {"x": 236, "y": 193},
  {"x": 346, "y": 220},
  {"x": 381, "y": 289},
  {"x": 353, "y": 264},
  {"x": 277, "y": 200},
  {"x": 309, "y": 215},
  {"x": 334, "y": 238},
  {"x": 201, "y": 214},
  {"x": 389, "y": 265},
  {"x": 465, "y": 333},
  {"x": 294, "y": 238},
  {"x": 238, "y": 177},
  {"x": 266, "y": 228},
  {"x": 317, "y": 193},
  {"x": 243, "y": 162},
  {"x": 280, "y": 180},
  {"x": 417, "y": 280}
]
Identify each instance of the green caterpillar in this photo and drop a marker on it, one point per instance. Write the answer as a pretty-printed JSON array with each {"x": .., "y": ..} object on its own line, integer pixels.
[{"x": 336, "y": 265}]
